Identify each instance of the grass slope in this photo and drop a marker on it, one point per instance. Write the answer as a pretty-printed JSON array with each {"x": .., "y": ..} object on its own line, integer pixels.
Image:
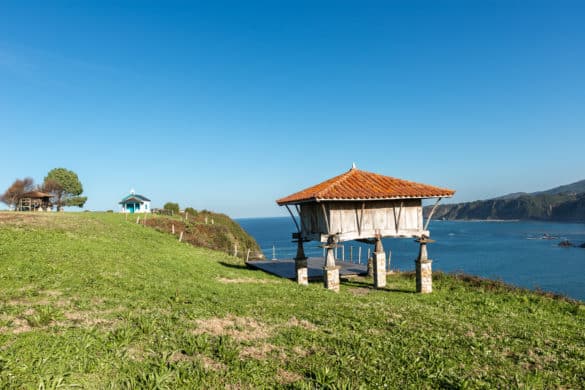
[
  {"x": 199, "y": 230},
  {"x": 94, "y": 301}
]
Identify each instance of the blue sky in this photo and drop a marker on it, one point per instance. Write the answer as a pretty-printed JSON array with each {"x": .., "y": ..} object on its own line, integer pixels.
[{"x": 231, "y": 105}]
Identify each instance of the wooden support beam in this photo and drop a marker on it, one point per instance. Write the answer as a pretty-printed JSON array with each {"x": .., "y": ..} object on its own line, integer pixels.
[
  {"x": 361, "y": 218},
  {"x": 397, "y": 220},
  {"x": 326, "y": 218},
  {"x": 431, "y": 213},
  {"x": 293, "y": 218}
]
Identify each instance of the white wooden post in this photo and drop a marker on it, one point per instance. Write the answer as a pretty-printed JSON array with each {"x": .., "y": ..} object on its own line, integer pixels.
[
  {"x": 343, "y": 253},
  {"x": 173, "y": 228},
  {"x": 359, "y": 254},
  {"x": 248, "y": 255},
  {"x": 181, "y": 237},
  {"x": 273, "y": 252}
]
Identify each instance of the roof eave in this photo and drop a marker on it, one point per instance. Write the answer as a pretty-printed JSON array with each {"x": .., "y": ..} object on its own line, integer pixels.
[{"x": 318, "y": 200}]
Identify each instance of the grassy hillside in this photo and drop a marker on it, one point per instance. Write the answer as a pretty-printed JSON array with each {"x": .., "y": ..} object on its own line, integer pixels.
[
  {"x": 95, "y": 301},
  {"x": 209, "y": 230}
]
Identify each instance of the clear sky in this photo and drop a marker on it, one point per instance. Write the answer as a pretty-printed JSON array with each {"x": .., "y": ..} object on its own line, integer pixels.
[{"x": 231, "y": 105}]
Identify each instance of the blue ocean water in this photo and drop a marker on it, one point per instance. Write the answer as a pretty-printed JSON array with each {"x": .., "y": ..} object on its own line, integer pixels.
[{"x": 511, "y": 251}]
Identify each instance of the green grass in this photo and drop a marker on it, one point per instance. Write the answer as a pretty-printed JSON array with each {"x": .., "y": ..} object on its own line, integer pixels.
[{"x": 91, "y": 300}]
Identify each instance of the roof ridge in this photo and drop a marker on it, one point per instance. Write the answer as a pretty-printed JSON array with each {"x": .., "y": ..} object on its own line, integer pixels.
[
  {"x": 356, "y": 184},
  {"x": 336, "y": 181}
]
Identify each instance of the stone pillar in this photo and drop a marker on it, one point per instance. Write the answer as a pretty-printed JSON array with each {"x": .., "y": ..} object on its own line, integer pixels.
[
  {"x": 424, "y": 271},
  {"x": 330, "y": 271},
  {"x": 379, "y": 261},
  {"x": 301, "y": 266}
]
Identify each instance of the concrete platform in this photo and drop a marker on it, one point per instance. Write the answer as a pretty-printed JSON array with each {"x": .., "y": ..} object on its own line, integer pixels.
[{"x": 286, "y": 268}]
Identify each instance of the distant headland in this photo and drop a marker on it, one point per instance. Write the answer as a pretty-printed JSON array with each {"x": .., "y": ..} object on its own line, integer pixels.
[{"x": 562, "y": 204}]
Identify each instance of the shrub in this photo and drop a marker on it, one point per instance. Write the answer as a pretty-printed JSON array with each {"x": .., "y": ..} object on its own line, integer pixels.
[
  {"x": 173, "y": 207},
  {"x": 191, "y": 211}
]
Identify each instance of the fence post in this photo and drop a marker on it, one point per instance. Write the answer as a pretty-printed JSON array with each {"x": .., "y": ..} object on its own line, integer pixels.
[
  {"x": 359, "y": 254},
  {"x": 343, "y": 253},
  {"x": 273, "y": 252},
  {"x": 138, "y": 220},
  {"x": 351, "y": 254},
  {"x": 248, "y": 255},
  {"x": 181, "y": 237},
  {"x": 173, "y": 228}
]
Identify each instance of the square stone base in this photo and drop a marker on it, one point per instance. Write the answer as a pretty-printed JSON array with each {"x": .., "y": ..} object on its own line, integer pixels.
[
  {"x": 424, "y": 276},
  {"x": 331, "y": 278},
  {"x": 379, "y": 270},
  {"x": 303, "y": 276}
]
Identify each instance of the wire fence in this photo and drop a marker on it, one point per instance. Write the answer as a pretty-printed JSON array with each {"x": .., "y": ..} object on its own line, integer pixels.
[{"x": 353, "y": 252}]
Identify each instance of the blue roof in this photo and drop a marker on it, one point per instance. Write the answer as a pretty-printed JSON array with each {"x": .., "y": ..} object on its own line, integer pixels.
[{"x": 134, "y": 197}]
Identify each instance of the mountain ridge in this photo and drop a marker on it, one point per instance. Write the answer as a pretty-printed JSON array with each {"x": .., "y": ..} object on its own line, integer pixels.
[
  {"x": 576, "y": 187},
  {"x": 565, "y": 203}
]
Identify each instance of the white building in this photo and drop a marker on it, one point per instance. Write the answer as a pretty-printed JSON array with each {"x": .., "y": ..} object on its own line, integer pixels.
[{"x": 135, "y": 203}]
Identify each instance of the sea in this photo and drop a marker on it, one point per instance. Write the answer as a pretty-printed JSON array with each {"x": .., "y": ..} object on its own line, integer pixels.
[{"x": 522, "y": 253}]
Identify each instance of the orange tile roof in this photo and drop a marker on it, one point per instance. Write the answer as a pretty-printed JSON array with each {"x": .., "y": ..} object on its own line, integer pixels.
[{"x": 356, "y": 184}]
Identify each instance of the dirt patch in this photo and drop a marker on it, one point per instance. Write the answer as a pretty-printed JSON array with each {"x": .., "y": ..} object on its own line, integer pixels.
[
  {"x": 86, "y": 318},
  {"x": 244, "y": 328},
  {"x": 262, "y": 351},
  {"x": 97, "y": 301},
  {"x": 294, "y": 321},
  {"x": 210, "y": 364},
  {"x": 43, "y": 298},
  {"x": 304, "y": 352},
  {"x": 14, "y": 218},
  {"x": 244, "y": 280},
  {"x": 238, "y": 328},
  {"x": 26, "y": 301},
  {"x": 20, "y": 325},
  {"x": 285, "y": 377},
  {"x": 179, "y": 356}
]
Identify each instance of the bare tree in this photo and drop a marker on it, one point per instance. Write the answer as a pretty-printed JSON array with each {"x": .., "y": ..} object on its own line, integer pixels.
[{"x": 14, "y": 193}]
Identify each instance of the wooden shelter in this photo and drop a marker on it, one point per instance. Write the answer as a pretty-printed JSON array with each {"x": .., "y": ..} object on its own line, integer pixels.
[
  {"x": 35, "y": 201},
  {"x": 364, "y": 206}
]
